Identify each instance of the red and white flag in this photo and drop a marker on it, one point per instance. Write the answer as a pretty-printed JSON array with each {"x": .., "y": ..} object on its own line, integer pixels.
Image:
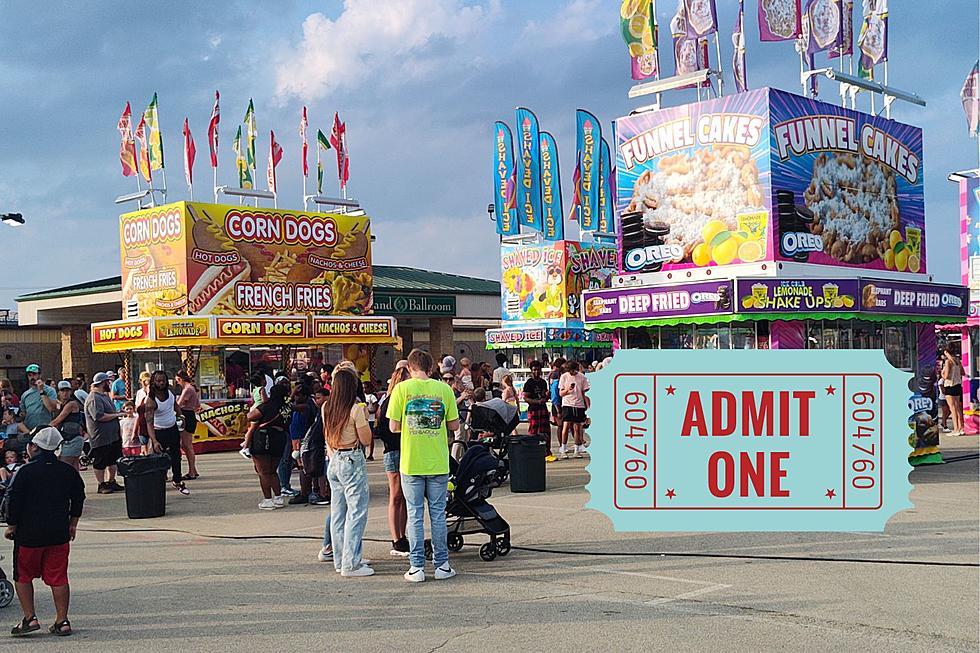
[
  {"x": 189, "y": 153},
  {"x": 144, "y": 158},
  {"x": 970, "y": 96},
  {"x": 338, "y": 140},
  {"x": 275, "y": 156},
  {"x": 213, "y": 131},
  {"x": 127, "y": 146},
  {"x": 303, "y": 124}
]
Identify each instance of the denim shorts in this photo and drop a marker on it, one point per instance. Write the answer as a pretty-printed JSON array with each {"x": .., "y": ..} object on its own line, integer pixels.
[
  {"x": 73, "y": 448},
  {"x": 392, "y": 460}
]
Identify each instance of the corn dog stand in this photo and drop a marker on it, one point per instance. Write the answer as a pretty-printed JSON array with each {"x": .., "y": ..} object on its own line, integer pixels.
[{"x": 220, "y": 290}]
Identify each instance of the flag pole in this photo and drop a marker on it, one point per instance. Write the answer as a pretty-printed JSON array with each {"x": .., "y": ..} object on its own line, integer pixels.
[
  {"x": 721, "y": 71},
  {"x": 215, "y": 171},
  {"x": 884, "y": 98}
]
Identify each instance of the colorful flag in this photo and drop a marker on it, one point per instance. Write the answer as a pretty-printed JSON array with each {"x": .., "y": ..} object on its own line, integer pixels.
[
  {"x": 275, "y": 156},
  {"x": 780, "y": 20},
  {"x": 551, "y": 213},
  {"x": 576, "y": 206},
  {"x": 873, "y": 40},
  {"x": 970, "y": 96},
  {"x": 189, "y": 153},
  {"x": 702, "y": 18},
  {"x": 690, "y": 54},
  {"x": 338, "y": 139},
  {"x": 503, "y": 174},
  {"x": 638, "y": 23},
  {"x": 322, "y": 145},
  {"x": 845, "y": 41},
  {"x": 303, "y": 124},
  {"x": 244, "y": 172},
  {"x": 144, "y": 159},
  {"x": 528, "y": 170},
  {"x": 213, "y": 131},
  {"x": 251, "y": 133},
  {"x": 588, "y": 134},
  {"x": 822, "y": 25},
  {"x": 127, "y": 146},
  {"x": 738, "y": 55},
  {"x": 153, "y": 134},
  {"x": 607, "y": 190}
]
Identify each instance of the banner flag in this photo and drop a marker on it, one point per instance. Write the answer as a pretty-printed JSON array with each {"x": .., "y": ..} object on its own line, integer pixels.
[
  {"x": 607, "y": 191},
  {"x": 322, "y": 145},
  {"x": 873, "y": 40},
  {"x": 153, "y": 136},
  {"x": 303, "y": 124},
  {"x": 213, "y": 131},
  {"x": 528, "y": 170},
  {"x": 845, "y": 40},
  {"x": 780, "y": 20},
  {"x": 822, "y": 25},
  {"x": 338, "y": 139},
  {"x": 144, "y": 161},
  {"x": 575, "y": 208},
  {"x": 551, "y": 211},
  {"x": 127, "y": 145},
  {"x": 503, "y": 174},
  {"x": 638, "y": 24},
  {"x": 189, "y": 153},
  {"x": 244, "y": 172},
  {"x": 251, "y": 133},
  {"x": 275, "y": 156},
  {"x": 588, "y": 133},
  {"x": 702, "y": 18},
  {"x": 970, "y": 97},
  {"x": 738, "y": 56}
]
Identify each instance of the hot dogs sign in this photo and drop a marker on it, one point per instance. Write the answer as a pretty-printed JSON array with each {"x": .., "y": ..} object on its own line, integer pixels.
[{"x": 202, "y": 259}]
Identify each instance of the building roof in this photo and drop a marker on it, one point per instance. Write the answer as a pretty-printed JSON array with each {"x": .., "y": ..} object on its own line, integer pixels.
[{"x": 387, "y": 278}]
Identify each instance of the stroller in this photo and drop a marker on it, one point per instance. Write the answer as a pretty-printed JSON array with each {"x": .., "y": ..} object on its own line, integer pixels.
[
  {"x": 492, "y": 423},
  {"x": 467, "y": 509},
  {"x": 6, "y": 589}
]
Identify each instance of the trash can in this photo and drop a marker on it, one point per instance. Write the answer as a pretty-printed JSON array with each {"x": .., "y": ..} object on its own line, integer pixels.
[
  {"x": 146, "y": 484},
  {"x": 526, "y": 454}
]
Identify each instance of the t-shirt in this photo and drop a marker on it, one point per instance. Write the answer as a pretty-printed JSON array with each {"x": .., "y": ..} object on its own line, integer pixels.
[
  {"x": 118, "y": 388},
  {"x": 100, "y": 433},
  {"x": 127, "y": 428},
  {"x": 44, "y": 495},
  {"x": 499, "y": 374},
  {"x": 33, "y": 409},
  {"x": 536, "y": 389},
  {"x": 575, "y": 399},
  {"x": 423, "y": 406},
  {"x": 348, "y": 434}
]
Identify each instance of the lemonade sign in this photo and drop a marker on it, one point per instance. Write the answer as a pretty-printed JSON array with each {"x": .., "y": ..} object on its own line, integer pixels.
[{"x": 790, "y": 295}]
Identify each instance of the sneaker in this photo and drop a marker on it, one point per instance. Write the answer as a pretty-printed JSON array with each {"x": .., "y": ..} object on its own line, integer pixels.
[
  {"x": 180, "y": 487},
  {"x": 266, "y": 504},
  {"x": 289, "y": 492},
  {"x": 363, "y": 570},
  {"x": 299, "y": 499},
  {"x": 317, "y": 500},
  {"x": 551, "y": 458},
  {"x": 105, "y": 488},
  {"x": 415, "y": 575},
  {"x": 115, "y": 486},
  {"x": 444, "y": 572},
  {"x": 579, "y": 451},
  {"x": 246, "y": 454},
  {"x": 562, "y": 454},
  {"x": 399, "y": 548},
  {"x": 325, "y": 555},
  {"x": 278, "y": 502}
]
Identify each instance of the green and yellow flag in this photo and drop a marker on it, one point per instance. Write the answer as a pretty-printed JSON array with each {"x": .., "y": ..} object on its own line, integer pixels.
[
  {"x": 251, "y": 132},
  {"x": 244, "y": 173},
  {"x": 322, "y": 145},
  {"x": 154, "y": 140}
]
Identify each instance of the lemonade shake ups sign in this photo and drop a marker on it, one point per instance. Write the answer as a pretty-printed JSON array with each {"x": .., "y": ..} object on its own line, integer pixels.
[{"x": 764, "y": 441}]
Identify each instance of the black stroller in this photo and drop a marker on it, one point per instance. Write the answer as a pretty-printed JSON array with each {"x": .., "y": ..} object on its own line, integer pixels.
[
  {"x": 467, "y": 509},
  {"x": 491, "y": 424}
]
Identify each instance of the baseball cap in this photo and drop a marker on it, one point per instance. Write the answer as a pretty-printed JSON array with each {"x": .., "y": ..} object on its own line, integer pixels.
[
  {"x": 48, "y": 438},
  {"x": 282, "y": 379},
  {"x": 33, "y": 367},
  {"x": 100, "y": 377},
  {"x": 110, "y": 374},
  {"x": 448, "y": 363},
  {"x": 64, "y": 385}
]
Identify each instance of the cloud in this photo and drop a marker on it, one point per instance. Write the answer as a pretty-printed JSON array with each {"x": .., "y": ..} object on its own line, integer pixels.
[
  {"x": 576, "y": 22},
  {"x": 371, "y": 39}
]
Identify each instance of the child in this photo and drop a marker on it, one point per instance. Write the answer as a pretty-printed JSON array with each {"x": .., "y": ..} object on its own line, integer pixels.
[
  {"x": 12, "y": 429},
  {"x": 11, "y": 461},
  {"x": 127, "y": 427}
]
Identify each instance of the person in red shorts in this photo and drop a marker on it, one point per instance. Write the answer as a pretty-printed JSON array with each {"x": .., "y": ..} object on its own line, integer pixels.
[
  {"x": 536, "y": 393},
  {"x": 44, "y": 503}
]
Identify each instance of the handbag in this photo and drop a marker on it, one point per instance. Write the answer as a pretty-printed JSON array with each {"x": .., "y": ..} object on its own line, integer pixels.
[{"x": 261, "y": 438}]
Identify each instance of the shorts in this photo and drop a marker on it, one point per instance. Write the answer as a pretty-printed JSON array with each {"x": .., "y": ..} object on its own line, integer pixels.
[
  {"x": 106, "y": 456},
  {"x": 392, "y": 460},
  {"x": 72, "y": 448},
  {"x": 953, "y": 390},
  {"x": 573, "y": 414},
  {"x": 49, "y": 563},
  {"x": 190, "y": 421},
  {"x": 131, "y": 451}
]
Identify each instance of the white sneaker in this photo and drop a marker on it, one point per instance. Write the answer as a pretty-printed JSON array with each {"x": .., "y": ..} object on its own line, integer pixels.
[
  {"x": 363, "y": 570},
  {"x": 415, "y": 575},
  {"x": 444, "y": 572},
  {"x": 267, "y": 504},
  {"x": 579, "y": 451},
  {"x": 325, "y": 555},
  {"x": 278, "y": 502}
]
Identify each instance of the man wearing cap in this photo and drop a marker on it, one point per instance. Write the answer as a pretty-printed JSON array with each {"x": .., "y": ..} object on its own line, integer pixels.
[
  {"x": 44, "y": 504},
  {"x": 117, "y": 391},
  {"x": 102, "y": 424},
  {"x": 39, "y": 401}
]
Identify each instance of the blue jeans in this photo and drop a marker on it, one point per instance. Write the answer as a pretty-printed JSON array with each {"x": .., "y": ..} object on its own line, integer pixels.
[
  {"x": 416, "y": 490},
  {"x": 285, "y": 469},
  {"x": 326, "y": 523},
  {"x": 347, "y": 473}
]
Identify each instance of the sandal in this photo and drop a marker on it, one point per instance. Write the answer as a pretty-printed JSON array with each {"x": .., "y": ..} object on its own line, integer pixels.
[
  {"x": 25, "y": 626},
  {"x": 61, "y": 629},
  {"x": 190, "y": 477}
]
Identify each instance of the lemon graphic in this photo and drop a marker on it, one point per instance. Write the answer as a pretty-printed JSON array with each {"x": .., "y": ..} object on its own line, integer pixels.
[
  {"x": 750, "y": 251},
  {"x": 637, "y": 25},
  {"x": 894, "y": 238},
  {"x": 647, "y": 38},
  {"x": 711, "y": 229},
  {"x": 902, "y": 259},
  {"x": 889, "y": 259},
  {"x": 848, "y": 301},
  {"x": 914, "y": 263},
  {"x": 636, "y": 49},
  {"x": 701, "y": 255},
  {"x": 724, "y": 248},
  {"x": 748, "y": 302},
  {"x": 838, "y": 302}
]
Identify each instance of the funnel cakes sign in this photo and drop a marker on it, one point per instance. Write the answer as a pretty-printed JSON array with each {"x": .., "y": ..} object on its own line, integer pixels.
[{"x": 206, "y": 259}]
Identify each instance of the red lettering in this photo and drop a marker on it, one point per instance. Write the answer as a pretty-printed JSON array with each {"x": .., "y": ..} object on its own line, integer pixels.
[
  {"x": 694, "y": 416},
  {"x": 729, "y": 472},
  {"x": 755, "y": 473},
  {"x": 724, "y": 412},
  {"x": 758, "y": 416},
  {"x": 777, "y": 473},
  {"x": 804, "y": 397}
]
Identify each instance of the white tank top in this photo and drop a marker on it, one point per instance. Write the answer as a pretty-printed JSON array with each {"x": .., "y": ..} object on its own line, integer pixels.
[{"x": 164, "y": 416}]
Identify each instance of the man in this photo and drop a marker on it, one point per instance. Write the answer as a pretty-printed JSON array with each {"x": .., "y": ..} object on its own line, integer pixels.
[
  {"x": 160, "y": 411},
  {"x": 45, "y": 502},
  {"x": 572, "y": 387},
  {"x": 500, "y": 371},
  {"x": 536, "y": 393},
  {"x": 102, "y": 424},
  {"x": 422, "y": 409},
  {"x": 117, "y": 391},
  {"x": 39, "y": 401},
  {"x": 78, "y": 388}
]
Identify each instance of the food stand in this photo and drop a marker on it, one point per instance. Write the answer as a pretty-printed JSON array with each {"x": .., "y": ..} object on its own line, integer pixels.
[
  {"x": 221, "y": 290},
  {"x": 769, "y": 220}
]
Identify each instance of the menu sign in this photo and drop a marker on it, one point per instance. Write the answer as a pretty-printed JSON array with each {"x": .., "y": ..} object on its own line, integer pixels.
[
  {"x": 898, "y": 298},
  {"x": 110, "y": 334},
  {"x": 267, "y": 329},
  {"x": 792, "y": 295},
  {"x": 686, "y": 299}
]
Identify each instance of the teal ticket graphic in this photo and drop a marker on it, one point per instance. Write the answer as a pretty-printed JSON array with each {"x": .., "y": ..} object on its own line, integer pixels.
[{"x": 749, "y": 441}]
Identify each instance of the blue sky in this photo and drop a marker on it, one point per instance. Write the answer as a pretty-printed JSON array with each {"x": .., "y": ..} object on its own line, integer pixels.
[{"x": 419, "y": 83}]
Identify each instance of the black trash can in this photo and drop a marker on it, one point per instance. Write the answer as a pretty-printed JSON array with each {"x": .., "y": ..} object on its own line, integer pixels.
[
  {"x": 526, "y": 454},
  {"x": 146, "y": 484}
]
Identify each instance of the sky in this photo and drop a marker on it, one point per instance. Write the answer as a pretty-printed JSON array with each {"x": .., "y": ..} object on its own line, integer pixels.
[{"x": 418, "y": 83}]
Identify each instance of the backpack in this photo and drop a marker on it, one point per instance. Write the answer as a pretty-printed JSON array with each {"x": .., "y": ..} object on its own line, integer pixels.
[{"x": 312, "y": 450}]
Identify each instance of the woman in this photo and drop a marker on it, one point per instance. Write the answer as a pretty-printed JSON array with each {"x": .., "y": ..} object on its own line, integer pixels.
[
  {"x": 265, "y": 441},
  {"x": 397, "y": 510},
  {"x": 508, "y": 392},
  {"x": 7, "y": 390},
  {"x": 70, "y": 420},
  {"x": 303, "y": 416},
  {"x": 346, "y": 430},
  {"x": 953, "y": 389},
  {"x": 160, "y": 413},
  {"x": 140, "y": 401},
  {"x": 189, "y": 403}
]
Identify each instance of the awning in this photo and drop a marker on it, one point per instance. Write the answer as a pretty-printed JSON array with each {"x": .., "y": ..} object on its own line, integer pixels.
[{"x": 538, "y": 337}]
